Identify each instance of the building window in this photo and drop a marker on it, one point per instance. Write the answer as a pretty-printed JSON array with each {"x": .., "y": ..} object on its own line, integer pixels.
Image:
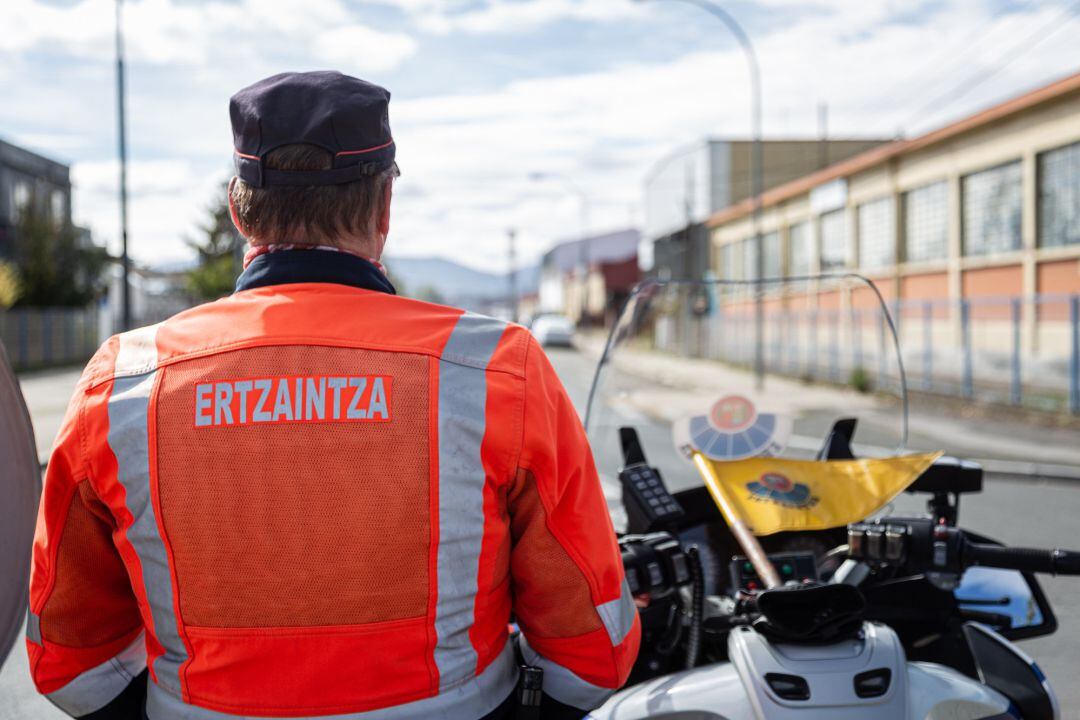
[
  {"x": 992, "y": 205},
  {"x": 877, "y": 234},
  {"x": 1059, "y": 196},
  {"x": 57, "y": 206},
  {"x": 773, "y": 264},
  {"x": 834, "y": 240},
  {"x": 749, "y": 256},
  {"x": 20, "y": 197},
  {"x": 729, "y": 264},
  {"x": 799, "y": 249},
  {"x": 926, "y": 223}
]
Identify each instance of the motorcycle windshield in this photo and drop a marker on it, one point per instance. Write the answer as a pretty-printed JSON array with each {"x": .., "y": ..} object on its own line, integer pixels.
[{"x": 679, "y": 366}]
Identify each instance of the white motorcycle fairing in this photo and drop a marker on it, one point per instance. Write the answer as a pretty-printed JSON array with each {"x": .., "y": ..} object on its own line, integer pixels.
[{"x": 739, "y": 691}]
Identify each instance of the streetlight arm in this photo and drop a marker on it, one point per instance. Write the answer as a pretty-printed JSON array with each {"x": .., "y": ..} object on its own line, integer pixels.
[{"x": 757, "y": 165}]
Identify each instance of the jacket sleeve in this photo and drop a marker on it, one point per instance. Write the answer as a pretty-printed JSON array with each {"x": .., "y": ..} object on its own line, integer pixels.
[
  {"x": 578, "y": 618},
  {"x": 84, "y": 631}
]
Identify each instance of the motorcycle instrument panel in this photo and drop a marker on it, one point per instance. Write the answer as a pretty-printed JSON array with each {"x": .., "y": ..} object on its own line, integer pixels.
[{"x": 800, "y": 567}]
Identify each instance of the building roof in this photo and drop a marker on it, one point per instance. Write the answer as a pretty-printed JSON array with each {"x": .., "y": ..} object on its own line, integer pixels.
[
  {"x": 877, "y": 156},
  {"x": 608, "y": 247},
  {"x": 32, "y": 163}
]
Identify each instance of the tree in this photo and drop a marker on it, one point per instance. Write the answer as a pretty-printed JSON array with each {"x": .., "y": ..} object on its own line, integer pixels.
[
  {"x": 9, "y": 285},
  {"x": 52, "y": 264},
  {"x": 219, "y": 251},
  {"x": 431, "y": 294}
]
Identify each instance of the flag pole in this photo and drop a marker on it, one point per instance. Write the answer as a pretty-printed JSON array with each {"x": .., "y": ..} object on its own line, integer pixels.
[{"x": 742, "y": 531}]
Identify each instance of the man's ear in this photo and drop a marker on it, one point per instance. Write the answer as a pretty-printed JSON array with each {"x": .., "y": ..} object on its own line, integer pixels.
[
  {"x": 383, "y": 225},
  {"x": 232, "y": 206}
]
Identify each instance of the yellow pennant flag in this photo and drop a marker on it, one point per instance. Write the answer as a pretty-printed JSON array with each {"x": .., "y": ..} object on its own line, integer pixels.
[{"x": 777, "y": 494}]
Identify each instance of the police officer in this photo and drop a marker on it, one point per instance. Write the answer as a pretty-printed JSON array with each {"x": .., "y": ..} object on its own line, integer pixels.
[{"x": 315, "y": 498}]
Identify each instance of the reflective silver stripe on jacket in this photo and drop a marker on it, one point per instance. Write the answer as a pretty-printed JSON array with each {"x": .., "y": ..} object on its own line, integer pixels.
[
  {"x": 462, "y": 405},
  {"x": 97, "y": 687},
  {"x": 473, "y": 699},
  {"x": 562, "y": 684},
  {"x": 33, "y": 627},
  {"x": 618, "y": 615},
  {"x": 136, "y": 370}
]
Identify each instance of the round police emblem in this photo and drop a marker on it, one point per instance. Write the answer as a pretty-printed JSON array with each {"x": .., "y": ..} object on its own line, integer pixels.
[{"x": 732, "y": 429}]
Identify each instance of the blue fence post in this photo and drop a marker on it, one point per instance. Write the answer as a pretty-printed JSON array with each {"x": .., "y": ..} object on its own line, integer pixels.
[
  {"x": 24, "y": 340},
  {"x": 46, "y": 337},
  {"x": 778, "y": 344},
  {"x": 1015, "y": 387},
  {"x": 1074, "y": 357},
  {"x": 928, "y": 346},
  {"x": 882, "y": 365},
  {"x": 834, "y": 347},
  {"x": 856, "y": 339},
  {"x": 968, "y": 380},
  {"x": 69, "y": 328}
]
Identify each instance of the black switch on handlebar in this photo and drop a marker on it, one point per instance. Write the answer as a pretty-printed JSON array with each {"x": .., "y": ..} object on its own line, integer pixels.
[{"x": 649, "y": 505}]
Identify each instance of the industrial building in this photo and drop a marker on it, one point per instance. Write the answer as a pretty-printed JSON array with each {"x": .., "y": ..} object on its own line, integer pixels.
[
  {"x": 685, "y": 188},
  {"x": 971, "y": 232}
]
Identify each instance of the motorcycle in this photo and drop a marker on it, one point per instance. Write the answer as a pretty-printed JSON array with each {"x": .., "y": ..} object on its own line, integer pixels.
[{"x": 774, "y": 579}]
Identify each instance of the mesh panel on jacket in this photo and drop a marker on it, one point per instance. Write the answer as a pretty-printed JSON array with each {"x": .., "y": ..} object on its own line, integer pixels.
[
  {"x": 559, "y": 605},
  {"x": 297, "y": 524},
  {"x": 74, "y": 615}
]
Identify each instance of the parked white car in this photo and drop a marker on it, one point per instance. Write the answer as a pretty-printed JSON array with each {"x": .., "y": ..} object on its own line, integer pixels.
[{"x": 553, "y": 330}]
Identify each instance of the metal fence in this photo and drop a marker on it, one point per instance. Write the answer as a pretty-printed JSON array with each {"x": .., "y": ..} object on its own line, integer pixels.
[
  {"x": 49, "y": 337},
  {"x": 1022, "y": 352}
]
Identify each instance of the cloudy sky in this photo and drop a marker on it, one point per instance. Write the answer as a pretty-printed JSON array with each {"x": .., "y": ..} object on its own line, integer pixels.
[{"x": 486, "y": 92}]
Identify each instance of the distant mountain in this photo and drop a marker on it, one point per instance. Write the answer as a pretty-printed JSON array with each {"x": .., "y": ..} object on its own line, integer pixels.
[{"x": 456, "y": 282}]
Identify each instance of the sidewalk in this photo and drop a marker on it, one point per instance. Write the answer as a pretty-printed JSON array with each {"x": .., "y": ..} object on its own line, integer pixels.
[
  {"x": 47, "y": 394},
  {"x": 1007, "y": 443}
]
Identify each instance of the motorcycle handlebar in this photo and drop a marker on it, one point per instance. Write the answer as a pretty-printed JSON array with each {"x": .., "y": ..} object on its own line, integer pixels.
[
  {"x": 1033, "y": 560},
  {"x": 920, "y": 544}
]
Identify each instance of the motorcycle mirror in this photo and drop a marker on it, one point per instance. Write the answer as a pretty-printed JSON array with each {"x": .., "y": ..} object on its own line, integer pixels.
[
  {"x": 20, "y": 487},
  {"x": 1009, "y": 601}
]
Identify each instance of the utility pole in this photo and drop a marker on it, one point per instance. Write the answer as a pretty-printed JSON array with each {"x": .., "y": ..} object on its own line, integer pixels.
[
  {"x": 823, "y": 134},
  {"x": 756, "y": 170},
  {"x": 511, "y": 252},
  {"x": 122, "y": 133}
]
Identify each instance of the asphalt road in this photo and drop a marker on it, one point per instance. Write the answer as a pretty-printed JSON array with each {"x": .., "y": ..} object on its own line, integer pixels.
[
  {"x": 1015, "y": 511},
  {"x": 1012, "y": 510}
]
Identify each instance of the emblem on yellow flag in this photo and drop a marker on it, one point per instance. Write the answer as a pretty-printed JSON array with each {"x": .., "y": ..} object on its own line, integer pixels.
[{"x": 775, "y": 494}]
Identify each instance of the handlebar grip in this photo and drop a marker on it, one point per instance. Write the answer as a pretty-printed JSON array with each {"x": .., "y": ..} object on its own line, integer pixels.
[{"x": 1055, "y": 562}]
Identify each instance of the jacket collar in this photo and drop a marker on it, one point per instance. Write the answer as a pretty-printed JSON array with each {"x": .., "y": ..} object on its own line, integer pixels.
[{"x": 287, "y": 267}]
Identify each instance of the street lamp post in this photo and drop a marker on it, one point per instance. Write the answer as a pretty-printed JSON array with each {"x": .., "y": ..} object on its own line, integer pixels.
[
  {"x": 756, "y": 167},
  {"x": 121, "y": 123},
  {"x": 511, "y": 251},
  {"x": 583, "y": 247}
]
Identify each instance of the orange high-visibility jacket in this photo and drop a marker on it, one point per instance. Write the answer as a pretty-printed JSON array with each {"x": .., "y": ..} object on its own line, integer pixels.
[{"x": 321, "y": 500}]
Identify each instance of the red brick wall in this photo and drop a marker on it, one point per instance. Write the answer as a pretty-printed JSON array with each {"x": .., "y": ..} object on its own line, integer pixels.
[
  {"x": 1062, "y": 276},
  {"x": 995, "y": 282},
  {"x": 931, "y": 286}
]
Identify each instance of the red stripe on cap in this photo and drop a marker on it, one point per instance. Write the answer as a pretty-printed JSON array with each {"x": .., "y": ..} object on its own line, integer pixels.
[
  {"x": 366, "y": 150},
  {"x": 249, "y": 157}
]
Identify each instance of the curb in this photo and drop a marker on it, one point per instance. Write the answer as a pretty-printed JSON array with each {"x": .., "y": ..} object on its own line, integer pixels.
[{"x": 990, "y": 466}]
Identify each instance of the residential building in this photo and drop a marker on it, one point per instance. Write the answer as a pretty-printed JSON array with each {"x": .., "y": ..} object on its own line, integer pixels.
[
  {"x": 580, "y": 279},
  {"x": 27, "y": 177}
]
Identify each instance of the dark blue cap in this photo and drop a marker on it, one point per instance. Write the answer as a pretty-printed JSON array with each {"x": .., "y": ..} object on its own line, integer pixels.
[{"x": 344, "y": 115}]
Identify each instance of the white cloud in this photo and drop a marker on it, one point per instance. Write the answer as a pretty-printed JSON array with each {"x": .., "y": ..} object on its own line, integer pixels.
[
  {"x": 466, "y": 156},
  {"x": 366, "y": 50},
  {"x": 514, "y": 17},
  {"x": 205, "y": 34}
]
